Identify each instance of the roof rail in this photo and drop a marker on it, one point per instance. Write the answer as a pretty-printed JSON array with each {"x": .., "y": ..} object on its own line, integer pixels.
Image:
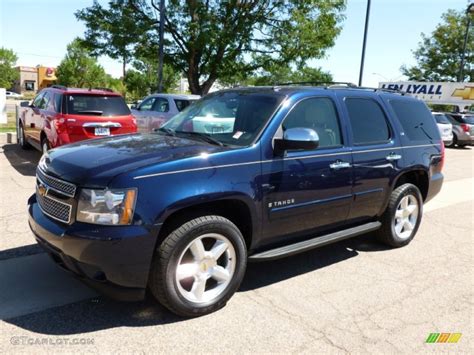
[
  {"x": 319, "y": 83},
  {"x": 56, "y": 86},
  {"x": 102, "y": 88}
]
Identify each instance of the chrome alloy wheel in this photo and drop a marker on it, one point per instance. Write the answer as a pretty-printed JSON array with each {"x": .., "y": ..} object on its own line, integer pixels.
[
  {"x": 205, "y": 268},
  {"x": 45, "y": 147},
  {"x": 22, "y": 135},
  {"x": 406, "y": 217}
]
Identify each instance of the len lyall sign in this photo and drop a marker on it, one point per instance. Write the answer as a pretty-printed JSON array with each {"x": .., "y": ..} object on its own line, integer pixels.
[{"x": 459, "y": 94}]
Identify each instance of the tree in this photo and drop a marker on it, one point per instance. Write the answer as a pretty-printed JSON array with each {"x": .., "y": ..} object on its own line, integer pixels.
[
  {"x": 8, "y": 74},
  {"x": 438, "y": 55},
  {"x": 278, "y": 75},
  {"x": 211, "y": 40},
  {"x": 113, "y": 31},
  {"x": 80, "y": 69},
  {"x": 142, "y": 80}
]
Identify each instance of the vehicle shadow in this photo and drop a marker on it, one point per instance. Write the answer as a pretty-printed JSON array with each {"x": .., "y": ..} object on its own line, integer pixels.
[
  {"x": 101, "y": 313},
  {"x": 23, "y": 161}
]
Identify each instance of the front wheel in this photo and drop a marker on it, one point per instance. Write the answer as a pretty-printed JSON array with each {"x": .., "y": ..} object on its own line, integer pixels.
[
  {"x": 21, "y": 138},
  {"x": 402, "y": 217},
  {"x": 199, "y": 266}
]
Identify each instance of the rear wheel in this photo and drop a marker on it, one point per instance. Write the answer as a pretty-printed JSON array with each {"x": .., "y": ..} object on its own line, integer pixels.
[
  {"x": 21, "y": 138},
  {"x": 402, "y": 217},
  {"x": 199, "y": 266},
  {"x": 45, "y": 145}
]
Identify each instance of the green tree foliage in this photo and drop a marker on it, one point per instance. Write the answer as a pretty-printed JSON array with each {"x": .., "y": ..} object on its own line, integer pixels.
[
  {"x": 284, "y": 74},
  {"x": 8, "y": 74},
  {"x": 211, "y": 40},
  {"x": 438, "y": 55},
  {"x": 80, "y": 69},
  {"x": 114, "y": 31}
]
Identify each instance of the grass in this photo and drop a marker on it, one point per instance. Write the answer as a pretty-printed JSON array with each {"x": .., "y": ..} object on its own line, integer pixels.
[{"x": 10, "y": 126}]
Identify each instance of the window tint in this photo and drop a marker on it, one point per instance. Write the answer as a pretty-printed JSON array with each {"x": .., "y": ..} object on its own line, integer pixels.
[
  {"x": 441, "y": 118},
  {"x": 417, "y": 121},
  {"x": 57, "y": 102},
  {"x": 97, "y": 105},
  {"x": 147, "y": 104},
  {"x": 368, "y": 121},
  {"x": 318, "y": 114},
  {"x": 182, "y": 104},
  {"x": 161, "y": 105}
]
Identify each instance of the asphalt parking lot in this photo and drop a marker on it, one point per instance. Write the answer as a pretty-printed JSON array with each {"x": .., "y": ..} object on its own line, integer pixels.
[{"x": 354, "y": 296}]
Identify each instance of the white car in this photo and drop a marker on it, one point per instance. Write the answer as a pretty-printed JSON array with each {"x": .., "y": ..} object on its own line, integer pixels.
[
  {"x": 445, "y": 127},
  {"x": 13, "y": 95}
]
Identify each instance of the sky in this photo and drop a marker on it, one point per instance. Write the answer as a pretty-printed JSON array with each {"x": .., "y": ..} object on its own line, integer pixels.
[{"x": 39, "y": 31}]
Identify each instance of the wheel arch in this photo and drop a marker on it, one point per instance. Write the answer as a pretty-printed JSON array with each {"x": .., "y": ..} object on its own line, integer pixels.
[{"x": 418, "y": 177}]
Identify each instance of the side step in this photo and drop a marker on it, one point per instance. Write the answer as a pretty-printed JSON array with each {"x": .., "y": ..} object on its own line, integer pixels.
[{"x": 317, "y": 242}]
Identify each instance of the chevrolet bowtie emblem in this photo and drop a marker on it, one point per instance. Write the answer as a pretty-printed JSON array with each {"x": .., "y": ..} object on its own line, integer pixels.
[
  {"x": 466, "y": 94},
  {"x": 42, "y": 190}
]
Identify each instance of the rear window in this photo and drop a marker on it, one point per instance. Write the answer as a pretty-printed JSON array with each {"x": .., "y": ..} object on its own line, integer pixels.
[
  {"x": 96, "y": 105},
  {"x": 468, "y": 119},
  {"x": 417, "y": 121},
  {"x": 441, "y": 119},
  {"x": 182, "y": 104}
]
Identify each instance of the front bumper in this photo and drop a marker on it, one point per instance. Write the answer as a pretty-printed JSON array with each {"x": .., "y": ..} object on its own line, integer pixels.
[{"x": 113, "y": 259}]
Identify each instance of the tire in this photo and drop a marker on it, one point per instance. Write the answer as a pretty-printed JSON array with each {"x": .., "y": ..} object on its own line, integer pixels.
[
  {"x": 45, "y": 146},
  {"x": 22, "y": 139},
  {"x": 205, "y": 283},
  {"x": 390, "y": 232},
  {"x": 462, "y": 145}
]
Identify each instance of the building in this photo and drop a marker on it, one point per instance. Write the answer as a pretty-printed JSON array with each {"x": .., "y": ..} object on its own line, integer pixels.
[{"x": 32, "y": 79}]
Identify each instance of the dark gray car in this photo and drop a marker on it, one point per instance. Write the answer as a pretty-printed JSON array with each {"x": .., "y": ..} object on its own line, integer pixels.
[{"x": 156, "y": 109}]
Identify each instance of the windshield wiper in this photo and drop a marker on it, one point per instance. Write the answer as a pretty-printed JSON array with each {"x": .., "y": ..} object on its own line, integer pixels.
[
  {"x": 168, "y": 131},
  {"x": 204, "y": 137},
  {"x": 93, "y": 112}
]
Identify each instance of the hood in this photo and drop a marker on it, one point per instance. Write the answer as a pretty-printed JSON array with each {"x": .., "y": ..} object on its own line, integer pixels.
[{"x": 95, "y": 162}]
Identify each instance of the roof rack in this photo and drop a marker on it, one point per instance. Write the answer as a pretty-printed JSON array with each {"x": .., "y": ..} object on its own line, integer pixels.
[
  {"x": 102, "y": 88},
  {"x": 342, "y": 84},
  {"x": 319, "y": 83},
  {"x": 56, "y": 86}
]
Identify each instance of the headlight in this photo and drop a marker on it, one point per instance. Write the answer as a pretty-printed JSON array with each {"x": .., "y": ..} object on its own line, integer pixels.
[{"x": 113, "y": 207}]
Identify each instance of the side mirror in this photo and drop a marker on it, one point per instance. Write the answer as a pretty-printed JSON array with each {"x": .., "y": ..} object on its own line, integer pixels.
[
  {"x": 134, "y": 107},
  {"x": 25, "y": 104},
  {"x": 297, "y": 139}
]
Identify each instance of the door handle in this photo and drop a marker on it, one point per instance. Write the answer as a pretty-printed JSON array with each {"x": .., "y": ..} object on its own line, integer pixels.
[
  {"x": 393, "y": 156},
  {"x": 338, "y": 164}
]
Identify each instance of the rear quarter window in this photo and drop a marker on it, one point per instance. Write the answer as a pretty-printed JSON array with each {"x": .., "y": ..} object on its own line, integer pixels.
[
  {"x": 96, "y": 105},
  {"x": 417, "y": 121}
]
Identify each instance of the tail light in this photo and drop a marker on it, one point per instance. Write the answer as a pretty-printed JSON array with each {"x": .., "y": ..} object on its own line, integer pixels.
[
  {"x": 465, "y": 127},
  {"x": 443, "y": 150}
]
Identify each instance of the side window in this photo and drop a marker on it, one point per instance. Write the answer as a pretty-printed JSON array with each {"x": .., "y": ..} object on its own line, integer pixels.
[
  {"x": 318, "y": 114},
  {"x": 161, "y": 105},
  {"x": 45, "y": 101},
  {"x": 369, "y": 124},
  {"x": 57, "y": 102},
  {"x": 416, "y": 120},
  {"x": 147, "y": 104},
  {"x": 38, "y": 99}
]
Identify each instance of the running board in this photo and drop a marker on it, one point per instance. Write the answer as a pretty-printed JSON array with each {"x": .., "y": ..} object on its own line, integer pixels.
[{"x": 317, "y": 242}]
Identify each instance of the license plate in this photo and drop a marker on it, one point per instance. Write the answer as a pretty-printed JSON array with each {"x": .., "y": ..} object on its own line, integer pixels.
[{"x": 101, "y": 131}]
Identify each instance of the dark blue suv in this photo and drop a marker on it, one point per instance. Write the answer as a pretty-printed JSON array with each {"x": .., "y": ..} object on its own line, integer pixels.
[{"x": 243, "y": 174}]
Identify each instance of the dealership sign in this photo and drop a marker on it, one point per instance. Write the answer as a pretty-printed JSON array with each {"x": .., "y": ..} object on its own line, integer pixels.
[{"x": 459, "y": 94}]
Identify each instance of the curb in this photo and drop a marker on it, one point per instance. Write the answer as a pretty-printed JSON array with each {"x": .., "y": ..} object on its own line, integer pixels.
[{"x": 7, "y": 138}]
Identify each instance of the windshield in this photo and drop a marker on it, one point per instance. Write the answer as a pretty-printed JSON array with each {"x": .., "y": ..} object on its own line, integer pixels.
[
  {"x": 441, "y": 119},
  {"x": 96, "y": 105},
  {"x": 233, "y": 118}
]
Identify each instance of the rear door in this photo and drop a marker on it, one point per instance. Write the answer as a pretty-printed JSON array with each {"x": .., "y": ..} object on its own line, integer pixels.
[
  {"x": 376, "y": 155},
  {"x": 143, "y": 114}
]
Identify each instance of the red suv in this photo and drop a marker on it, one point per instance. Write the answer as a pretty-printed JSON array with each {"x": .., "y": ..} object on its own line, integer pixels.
[{"x": 60, "y": 115}]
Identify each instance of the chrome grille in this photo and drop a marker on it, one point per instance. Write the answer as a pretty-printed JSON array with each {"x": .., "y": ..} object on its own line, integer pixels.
[
  {"x": 60, "y": 186},
  {"x": 54, "y": 208}
]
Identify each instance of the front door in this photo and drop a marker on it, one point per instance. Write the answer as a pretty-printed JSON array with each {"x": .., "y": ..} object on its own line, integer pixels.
[{"x": 307, "y": 191}]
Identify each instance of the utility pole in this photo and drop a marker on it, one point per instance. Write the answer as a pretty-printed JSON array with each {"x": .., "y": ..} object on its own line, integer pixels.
[
  {"x": 161, "y": 10},
  {"x": 469, "y": 12},
  {"x": 361, "y": 73}
]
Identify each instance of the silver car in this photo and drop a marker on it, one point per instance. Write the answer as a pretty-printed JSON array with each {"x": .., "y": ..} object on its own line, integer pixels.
[
  {"x": 463, "y": 128},
  {"x": 445, "y": 128},
  {"x": 156, "y": 109}
]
